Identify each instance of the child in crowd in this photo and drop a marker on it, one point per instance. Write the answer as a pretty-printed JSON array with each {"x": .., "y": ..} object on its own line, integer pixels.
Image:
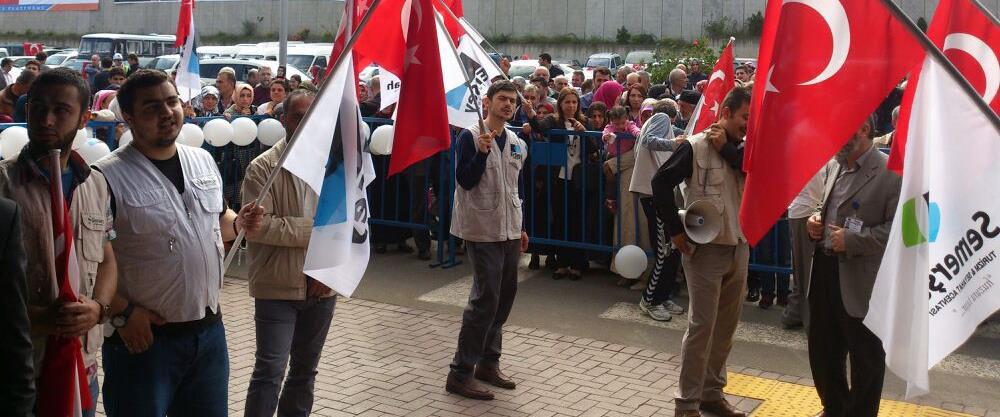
[{"x": 620, "y": 124}]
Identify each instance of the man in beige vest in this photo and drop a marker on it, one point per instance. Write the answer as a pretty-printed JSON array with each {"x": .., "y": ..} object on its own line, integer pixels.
[
  {"x": 710, "y": 164},
  {"x": 487, "y": 216},
  {"x": 57, "y": 106}
]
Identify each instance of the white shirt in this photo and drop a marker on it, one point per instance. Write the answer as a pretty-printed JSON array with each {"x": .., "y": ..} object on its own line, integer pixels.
[
  {"x": 809, "y": 199},
  {"x": 8, "y": 76}
]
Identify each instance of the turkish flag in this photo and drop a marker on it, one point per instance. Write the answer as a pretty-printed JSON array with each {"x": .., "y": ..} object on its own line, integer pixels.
[
  {"x": 831, "y": 64},
  {"x": 453, "y": 26},
  {"x": 382, "y": 41},
  {"x": 421, "y": 115},
  {"x": 971, "y": 41},
  {"x": 720, "y": 83}
]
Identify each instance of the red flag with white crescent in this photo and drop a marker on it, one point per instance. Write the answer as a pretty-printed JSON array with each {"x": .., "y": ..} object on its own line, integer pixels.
[{"x": 720, "y": 82}]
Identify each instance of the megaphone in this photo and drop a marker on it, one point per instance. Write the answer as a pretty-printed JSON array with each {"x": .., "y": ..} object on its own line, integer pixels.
[{"x": 702, "y": 221}]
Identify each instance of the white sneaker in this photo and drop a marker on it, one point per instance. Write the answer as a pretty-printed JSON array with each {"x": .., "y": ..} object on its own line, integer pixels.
[
  {"x": 655, "y": 312},
  {"x": 674, "y": 308}
]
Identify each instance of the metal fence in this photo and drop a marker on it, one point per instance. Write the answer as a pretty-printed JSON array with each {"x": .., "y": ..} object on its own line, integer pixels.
[{"x": 565, "y": 208}]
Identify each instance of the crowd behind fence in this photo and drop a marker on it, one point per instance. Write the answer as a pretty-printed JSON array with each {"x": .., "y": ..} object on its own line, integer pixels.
[{"x": 561, "y": 216}]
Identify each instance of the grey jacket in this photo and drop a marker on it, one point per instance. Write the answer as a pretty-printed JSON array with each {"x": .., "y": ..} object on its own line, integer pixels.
[{"x": 877, "y": 194}]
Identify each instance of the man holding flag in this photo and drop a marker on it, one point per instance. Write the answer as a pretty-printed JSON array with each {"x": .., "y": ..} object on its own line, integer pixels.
[
  {"x": 487, "y": 216},
  {"x": 64, "y": 324}
]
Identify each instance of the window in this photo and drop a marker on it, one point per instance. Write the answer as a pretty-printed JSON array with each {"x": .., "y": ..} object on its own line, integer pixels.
[
  {"x": 90, "y": 46},
  {"x": 133, "y": 47}
]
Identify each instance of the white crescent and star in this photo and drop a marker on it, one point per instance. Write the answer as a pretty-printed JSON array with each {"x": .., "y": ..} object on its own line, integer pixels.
[
  {"x": 407, "y": 17},
  {"x": 717, "y": 75},
  {"x": 983, "y": 54},
  {"x": 835, "y": 17}
]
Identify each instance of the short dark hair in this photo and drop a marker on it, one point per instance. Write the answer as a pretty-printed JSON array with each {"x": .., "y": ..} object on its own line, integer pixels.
[
  {"x": 26, "y": 77},
  {"x": 618, "y": 112},
  {"x": 580, "y": 73},
  {"x": 41, "y": 56},
  {"x": 545, "y": 57},
  {"x": 602, "y": 70},
  {"x": 736, "y": 98},
  {"x": 59, "y": 77},
  {"x": 742, "y": 67},
  {"x": 33, "y": 61},
  {"x": 116, "y": 71},
  {"x": 663, "y": 106},
  {"x": 299, "y": 92},
  {"x": 133, "y": 56},
  {"x": 597, "y": 106},
  {"x": 143, "y": 78},
  {"x": 6, "y": 61},
  {"x": 106, "y": 62},
  {"x": 282, "y": 82},
  {"x": 501, "y": 86}
]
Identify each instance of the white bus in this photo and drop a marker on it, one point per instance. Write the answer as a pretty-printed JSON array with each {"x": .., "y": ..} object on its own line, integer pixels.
[{"x": 146, "y": 47}]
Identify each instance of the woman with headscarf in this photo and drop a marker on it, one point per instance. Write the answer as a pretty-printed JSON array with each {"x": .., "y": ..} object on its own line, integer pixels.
[
  {"x": 609, "y": 94},
  {"x": 242, "y": 102},
  {"x": 207, "y": 103}
]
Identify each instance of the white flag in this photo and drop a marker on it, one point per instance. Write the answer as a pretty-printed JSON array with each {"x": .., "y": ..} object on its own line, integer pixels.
[
  {"x": 938, "y": 278},
  {"x": 329, "y": 156}
]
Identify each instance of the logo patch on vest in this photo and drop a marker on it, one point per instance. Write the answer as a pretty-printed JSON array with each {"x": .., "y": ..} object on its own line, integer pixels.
[
  {"x": 206, "y": 182},
  {"x": 515, "y": 151}
]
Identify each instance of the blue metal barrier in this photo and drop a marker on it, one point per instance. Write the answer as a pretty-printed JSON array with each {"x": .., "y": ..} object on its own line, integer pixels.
[{"x": 560, "y": 215}]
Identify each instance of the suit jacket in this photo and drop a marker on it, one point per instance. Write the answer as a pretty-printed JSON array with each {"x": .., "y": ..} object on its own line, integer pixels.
[
  {"x": 17, "y": 386},
  {"x": 877, "y": 194}
]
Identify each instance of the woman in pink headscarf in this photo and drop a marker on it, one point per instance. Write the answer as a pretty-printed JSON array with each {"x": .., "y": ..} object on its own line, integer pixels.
[{"x": 609, "y": 93}]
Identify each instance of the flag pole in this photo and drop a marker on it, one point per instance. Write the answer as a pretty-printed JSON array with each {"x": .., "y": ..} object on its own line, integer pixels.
[
  {"x": 465, "y": 72},
  {"x": 348, "y": 46},
  {"x": 936, "y": 53}
]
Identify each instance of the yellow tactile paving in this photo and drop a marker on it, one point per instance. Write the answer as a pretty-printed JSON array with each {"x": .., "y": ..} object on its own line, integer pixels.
[{"x": 785, "y": 399}]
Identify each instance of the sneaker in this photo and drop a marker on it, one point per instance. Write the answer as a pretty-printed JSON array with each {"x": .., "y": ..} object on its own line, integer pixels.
[
  {"x": 656, "y": 312},
  {"x": 753, "y": 295},
  {"x": 674, "y": 308}
]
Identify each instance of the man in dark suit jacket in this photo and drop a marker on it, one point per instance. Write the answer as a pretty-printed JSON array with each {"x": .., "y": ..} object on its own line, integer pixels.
[
  {"x": 17, "y": 386},
  {"x": 851, "y": 230}
]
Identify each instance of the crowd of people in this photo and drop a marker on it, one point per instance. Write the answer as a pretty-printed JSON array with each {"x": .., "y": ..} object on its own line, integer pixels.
[{"x": 150, "y": 282}]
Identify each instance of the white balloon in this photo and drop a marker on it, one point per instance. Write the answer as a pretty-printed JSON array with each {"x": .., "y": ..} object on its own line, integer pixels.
[
  {"x": 92, "y": 150},
  {"x": 80, "y": 139},
  {"x": 218, "y": 132},
  {"x": 244, "y": 131},
  {"x": 630, "y": 262},
  {"x": 367, "y": 130},
  {"x": 191, "y": 135},
  {"x": 381, "y": 143},
  {"x": 270, "y": 131},
  {"x": 12, "y": 140},
  {"x": 125, "y": 139}
]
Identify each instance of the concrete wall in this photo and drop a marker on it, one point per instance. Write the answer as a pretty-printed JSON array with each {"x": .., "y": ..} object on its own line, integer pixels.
[
  {"x": 581, "y": 51},
  {"x": 584, "y": 18}
]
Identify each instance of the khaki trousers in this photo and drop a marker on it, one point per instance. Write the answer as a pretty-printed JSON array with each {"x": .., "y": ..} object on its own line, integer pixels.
[{"x": 716, "y": 281}]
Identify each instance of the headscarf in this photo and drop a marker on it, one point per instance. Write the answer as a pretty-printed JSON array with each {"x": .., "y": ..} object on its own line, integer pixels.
[
  {"x": 101, "y": 98},
  {"x": 608, "y": 93},
  {"x": 242, "y": 86},
  {"x": 646, "y": 109}
]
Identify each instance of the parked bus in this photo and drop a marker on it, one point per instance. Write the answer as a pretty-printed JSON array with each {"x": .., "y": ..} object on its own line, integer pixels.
[{"x": 146, "y": 47}]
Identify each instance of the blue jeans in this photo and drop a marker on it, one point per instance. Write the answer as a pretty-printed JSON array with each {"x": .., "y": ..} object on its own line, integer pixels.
[
  {"x": 287, "y": 329},
  {"x": 183, "y": 374},
  {"x": 93, "y": 393}
]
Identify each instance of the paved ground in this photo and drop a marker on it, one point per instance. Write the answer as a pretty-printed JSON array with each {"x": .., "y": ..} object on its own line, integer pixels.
[{"x": 576, "y": 348}]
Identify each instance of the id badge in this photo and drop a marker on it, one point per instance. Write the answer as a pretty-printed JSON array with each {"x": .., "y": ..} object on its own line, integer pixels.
[{"x": 854, "y": 224}]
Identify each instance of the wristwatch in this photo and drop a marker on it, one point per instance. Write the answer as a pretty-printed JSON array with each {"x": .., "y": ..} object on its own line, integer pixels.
[
  {"x": 105, "y": 312},
  {"x": 119, "y": 320}
]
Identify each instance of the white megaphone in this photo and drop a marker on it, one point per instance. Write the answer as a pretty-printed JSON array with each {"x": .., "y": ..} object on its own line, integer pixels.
[{"x": 702, "y": 221}]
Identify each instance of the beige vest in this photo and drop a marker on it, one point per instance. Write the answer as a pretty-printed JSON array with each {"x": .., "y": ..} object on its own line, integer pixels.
[
  {"x": 712, "y": 179},
  {"x": 491, "y": 211},
  {"x": 20, "y": 182}
]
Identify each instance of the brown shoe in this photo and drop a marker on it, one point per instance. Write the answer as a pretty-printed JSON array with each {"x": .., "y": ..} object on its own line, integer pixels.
[
  {"x": 493, "y": 376},
  {"x": 467, "y": 388},
  {"x": 687, "y": 413},
  {"x": 721, "y": 408}
]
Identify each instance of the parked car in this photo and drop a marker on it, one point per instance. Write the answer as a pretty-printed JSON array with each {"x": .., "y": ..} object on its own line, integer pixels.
[
  {"x": 206, "y": 52},
  {"x": 3, "y": 53},
  {"x": 59, "y": 59},
  {"x": 572, "y": 62},
  {"x": 21, "y": 61},
  {"x": 165, "y": 63},
  {"x": 639, "y": 59},
  {"x": 605, "y": 59},
  {"x": 524, "y": 68},
  {"x": 209, "y": 68}
]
